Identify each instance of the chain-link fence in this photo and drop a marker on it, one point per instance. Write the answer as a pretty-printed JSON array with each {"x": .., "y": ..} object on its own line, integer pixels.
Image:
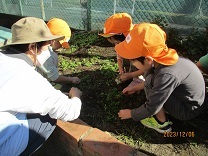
[{"x": 91, "y": 14}]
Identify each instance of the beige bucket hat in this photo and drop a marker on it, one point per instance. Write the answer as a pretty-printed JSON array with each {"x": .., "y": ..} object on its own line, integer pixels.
[{"x": 31, "y": 30}]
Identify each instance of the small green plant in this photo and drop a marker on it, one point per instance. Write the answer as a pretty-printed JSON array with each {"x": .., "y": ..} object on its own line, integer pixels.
[
  {"x": 85, "y": 39},
  {"x": 73, "y": 48},
  {"x": 102, "y": 98},
  {"x": 66, "y": 64},
  {"x": 108, "y": 67}
]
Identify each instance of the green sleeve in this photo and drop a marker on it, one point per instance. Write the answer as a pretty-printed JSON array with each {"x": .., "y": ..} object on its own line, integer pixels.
[{"x": 204, "y": 61}]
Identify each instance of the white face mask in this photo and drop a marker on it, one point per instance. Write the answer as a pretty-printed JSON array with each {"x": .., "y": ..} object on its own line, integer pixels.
[{"x": 42, "y": 57}]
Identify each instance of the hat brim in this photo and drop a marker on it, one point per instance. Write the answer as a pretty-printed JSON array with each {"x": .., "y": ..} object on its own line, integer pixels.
[
  {"x": 54, "y": 37},
  {"x": 65, "y": 45},
  {"x": 106, "y": 35},
  {"x": 124, "y": 52}
]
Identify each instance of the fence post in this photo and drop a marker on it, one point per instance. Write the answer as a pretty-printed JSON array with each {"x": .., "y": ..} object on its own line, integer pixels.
[
  {"x": 114, "y": 6},
  {"x": 89, "y": 13},
  {"x": 20, "y": 7},
  {"x": 42, "y": 9}
]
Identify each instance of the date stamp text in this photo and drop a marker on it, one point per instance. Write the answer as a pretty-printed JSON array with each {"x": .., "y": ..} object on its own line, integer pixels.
[{"x": 181, "y": 134}]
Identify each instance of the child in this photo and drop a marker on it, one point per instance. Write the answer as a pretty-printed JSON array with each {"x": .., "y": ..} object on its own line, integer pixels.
[
  {"x": 169, "y": 79},
  {"x": 50, "y": 67},
  {"x": 116, "y": 28}
]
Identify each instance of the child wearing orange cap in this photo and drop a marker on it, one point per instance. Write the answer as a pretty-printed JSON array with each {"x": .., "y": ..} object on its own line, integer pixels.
[
  {"x": 50, "y": 67},
  {"x": 169, "y": 79},
  {"x": 116, "y": 28}
]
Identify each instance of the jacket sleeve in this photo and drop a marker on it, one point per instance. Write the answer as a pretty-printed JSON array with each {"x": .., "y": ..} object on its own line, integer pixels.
[
  {"x": 26, "y": 91},
  {"x": 158, "y": 90}
]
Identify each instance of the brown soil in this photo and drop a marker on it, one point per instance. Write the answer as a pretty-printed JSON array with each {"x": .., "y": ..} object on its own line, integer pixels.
[{"x": 192, "y": 136}]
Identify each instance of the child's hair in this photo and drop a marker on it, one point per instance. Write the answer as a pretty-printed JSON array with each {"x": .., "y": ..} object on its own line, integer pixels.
[
  {"x": 140, "y": 59},
  {"x": 119, "y": 37},
  {"x": 20, "y": 48}
]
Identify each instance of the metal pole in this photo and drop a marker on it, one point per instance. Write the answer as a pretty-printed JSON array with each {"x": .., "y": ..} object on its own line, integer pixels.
[
  {"x": 89, "y": 13},
  {"x": 132, "y": 11},
  {"x": 114, "y": 7},
  {"x": 20, "y": 7},
  {"x": 42, "y": 9},
  {"x": 200, "y": 9}
]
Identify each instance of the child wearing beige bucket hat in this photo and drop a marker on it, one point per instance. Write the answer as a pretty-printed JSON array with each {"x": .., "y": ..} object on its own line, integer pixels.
[
  {"x": 49, "y": 68},
  {"x": 116, "y": 28},
  {"x": 29, "y": 105},
  {"x": 169, "y": 79}
]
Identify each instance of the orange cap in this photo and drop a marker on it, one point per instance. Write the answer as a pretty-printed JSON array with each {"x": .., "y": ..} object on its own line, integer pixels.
[
  {"x": 117, "y": 24},
  {"x": 147, "y": 40},
  {"x": 60, "y": 27}
]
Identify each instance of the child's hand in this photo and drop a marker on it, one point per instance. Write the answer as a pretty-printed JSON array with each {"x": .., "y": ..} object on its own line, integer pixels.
[
  {"x": 121, "y": 72},
  {"x": 125, "y": 76},
  {"x": 124, "y": 114},
  {"x": 128, "y": 90},
  {"x": 75, "y": 80}
]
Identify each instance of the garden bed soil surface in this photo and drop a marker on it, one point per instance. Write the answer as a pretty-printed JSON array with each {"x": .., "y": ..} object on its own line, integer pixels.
[{"x": 102, "y": 99}]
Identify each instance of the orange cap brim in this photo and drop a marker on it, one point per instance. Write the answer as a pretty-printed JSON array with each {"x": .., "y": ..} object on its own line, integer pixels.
[
  {"x": 106, "y": 35},
  {"x": 64, "y": 44},
  {"x": 125, "y": 52}
]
